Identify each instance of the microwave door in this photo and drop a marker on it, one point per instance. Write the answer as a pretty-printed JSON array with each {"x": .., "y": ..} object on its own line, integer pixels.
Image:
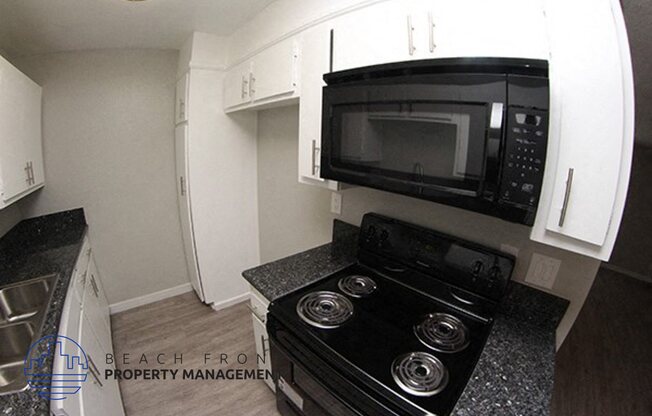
[{"x": 436, "y": 146}]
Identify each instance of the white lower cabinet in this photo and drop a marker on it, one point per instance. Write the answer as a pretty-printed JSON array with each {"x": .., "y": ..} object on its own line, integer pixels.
[
  {"x": 259, "y": 318},
  {"x": 85, "y": 319}
]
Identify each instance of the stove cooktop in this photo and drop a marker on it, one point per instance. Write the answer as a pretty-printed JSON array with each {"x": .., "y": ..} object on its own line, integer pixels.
[{"x": 402, "y": 344}]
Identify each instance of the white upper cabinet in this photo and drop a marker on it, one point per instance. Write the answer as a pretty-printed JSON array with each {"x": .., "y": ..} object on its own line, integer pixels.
[
  {"x": 181, "y": 104},
  {"x": 21, "y": 151},
  {"x": 591, "y": 135},
  {"x": 271, "y": 76},
  {"x": 379, "y": 34},
  {"x": 275, "y": 71},
  {"x": 479, "y": 28},
  {"x": 315, "y": 62},
  {"x": 398, "y": 31},
  {"x": 237, "y": 85}
]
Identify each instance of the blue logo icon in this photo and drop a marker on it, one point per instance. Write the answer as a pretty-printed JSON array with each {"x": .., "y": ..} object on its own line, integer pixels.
[{"x": 61, "y": 382}]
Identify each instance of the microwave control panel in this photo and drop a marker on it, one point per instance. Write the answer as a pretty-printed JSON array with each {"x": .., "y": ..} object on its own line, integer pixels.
[{"x": 526, "y": 141}]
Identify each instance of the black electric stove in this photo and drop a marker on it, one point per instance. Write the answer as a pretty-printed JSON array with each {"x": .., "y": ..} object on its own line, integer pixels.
[{"x": 398, "y": 333}]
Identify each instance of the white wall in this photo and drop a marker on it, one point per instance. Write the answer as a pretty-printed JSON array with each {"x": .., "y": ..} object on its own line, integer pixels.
[
  {"x": 295, "y": 217},
  {"x": 109, "y": 148},
  {"x": 292, "y": 217},
  {"x": 9, "y": 217}
]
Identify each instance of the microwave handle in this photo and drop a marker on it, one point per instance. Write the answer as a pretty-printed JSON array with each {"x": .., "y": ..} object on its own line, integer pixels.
[
  {"x": 492, "y": 167},
  {"x": 496, "y": 119}
]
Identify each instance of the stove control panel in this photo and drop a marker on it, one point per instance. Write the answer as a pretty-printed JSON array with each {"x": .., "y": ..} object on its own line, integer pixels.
[{"x": 478, "y": 269}]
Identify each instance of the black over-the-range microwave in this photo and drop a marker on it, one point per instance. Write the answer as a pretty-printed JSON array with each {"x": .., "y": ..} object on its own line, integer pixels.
[{"x": 469, "y": 132}]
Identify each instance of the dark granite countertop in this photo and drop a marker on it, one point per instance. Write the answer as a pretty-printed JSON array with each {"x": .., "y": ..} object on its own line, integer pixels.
[
  {"x": 515, "y": 372},
  {"x": 33, "y": 248},
  {"x": 283, "y": 276}
]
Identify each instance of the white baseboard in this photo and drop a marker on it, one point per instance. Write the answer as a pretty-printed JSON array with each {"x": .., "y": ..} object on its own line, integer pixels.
[
  {"x": 150, "y": 298},
  {"x": 230, "y": 302}
]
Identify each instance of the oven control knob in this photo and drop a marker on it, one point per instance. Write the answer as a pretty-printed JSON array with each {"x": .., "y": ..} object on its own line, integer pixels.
[
  {"x": 371, "y": 232},
  {"x": 478, "y": 265},
  {"x": 494, "y": 275}
]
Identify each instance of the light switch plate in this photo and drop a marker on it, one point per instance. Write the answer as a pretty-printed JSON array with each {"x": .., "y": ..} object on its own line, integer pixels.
[
  {"x": 543, "y": 270},
  {"x": 336, "y": 203}
]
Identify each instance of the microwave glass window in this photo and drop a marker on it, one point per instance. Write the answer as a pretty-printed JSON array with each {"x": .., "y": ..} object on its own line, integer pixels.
[{"x": 427, "y": 143}]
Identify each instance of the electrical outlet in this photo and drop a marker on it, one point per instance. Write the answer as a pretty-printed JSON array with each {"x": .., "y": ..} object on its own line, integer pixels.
[
  {"x": 336, "y": 203},
  {"x": 543, "y": 270}
]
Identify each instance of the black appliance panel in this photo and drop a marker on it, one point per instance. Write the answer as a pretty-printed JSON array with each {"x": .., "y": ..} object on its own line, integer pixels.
[{"x": 435, "y": 130}]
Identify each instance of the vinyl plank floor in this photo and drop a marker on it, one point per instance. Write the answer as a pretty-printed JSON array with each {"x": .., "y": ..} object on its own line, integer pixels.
[
  {"x": 183, "y": 325},
  {"x": 604, "y": 367}
]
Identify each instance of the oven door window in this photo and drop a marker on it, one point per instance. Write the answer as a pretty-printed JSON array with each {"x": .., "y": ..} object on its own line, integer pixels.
[{"x": 431, "y": 145}]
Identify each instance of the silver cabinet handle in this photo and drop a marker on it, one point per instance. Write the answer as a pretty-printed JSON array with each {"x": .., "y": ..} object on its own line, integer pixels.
[
  {"x": 245, "y": 87},
  {"x": 252, "y": 81},
  {"x": 94, "y": 371},
  {"x": 564, "y": 207},
  {"x": 182, "y": 185},
  {"x": 315, "y": 165},
  {"x": 96, "y": 290},
  {"x": 31, "y": 171},
  {"x": 265, "y": 349},
  {"x": 431, "y": 29},
  {"x": 27, "y": 172},
  {"x": 182, "y": 108},
  {"x": 410, "y": 28}
]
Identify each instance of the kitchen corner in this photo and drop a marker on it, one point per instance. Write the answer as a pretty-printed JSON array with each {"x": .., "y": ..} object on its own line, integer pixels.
[{"x": 515, "y": 372}]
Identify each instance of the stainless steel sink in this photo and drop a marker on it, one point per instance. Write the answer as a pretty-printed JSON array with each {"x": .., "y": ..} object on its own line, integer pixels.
[{"x": 22, "y": 309}]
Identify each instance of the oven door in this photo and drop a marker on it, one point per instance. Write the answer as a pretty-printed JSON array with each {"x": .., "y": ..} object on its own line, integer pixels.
[
  {"x": 425, "y": 135},
  {"x": 307, "y": 386}
]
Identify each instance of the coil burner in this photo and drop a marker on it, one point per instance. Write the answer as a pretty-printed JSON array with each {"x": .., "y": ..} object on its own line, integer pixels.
[
  {"x": 324, "y": 309},
  {"x": 357, "y": 286},
  {"x": 443, "y": 332},
  {"x": 420, "y": 374}
]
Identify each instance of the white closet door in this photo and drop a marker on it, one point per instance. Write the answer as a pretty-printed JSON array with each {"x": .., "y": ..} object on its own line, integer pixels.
[{"x": 183, "y": 196}]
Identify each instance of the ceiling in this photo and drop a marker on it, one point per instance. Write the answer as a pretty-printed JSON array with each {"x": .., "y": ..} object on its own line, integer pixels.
[{"x": 29, "y": 27}]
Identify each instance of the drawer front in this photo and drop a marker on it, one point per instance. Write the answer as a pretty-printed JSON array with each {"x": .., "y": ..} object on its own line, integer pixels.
[{"x": 258, "y": 307}]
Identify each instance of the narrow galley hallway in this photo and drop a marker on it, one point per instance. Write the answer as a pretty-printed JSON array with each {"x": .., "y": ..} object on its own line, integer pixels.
[
  {"x": 183, "y": 324},
  {"x": 603, "y": 367}
]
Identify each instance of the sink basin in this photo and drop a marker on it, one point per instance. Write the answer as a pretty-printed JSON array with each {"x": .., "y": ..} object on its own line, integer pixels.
[
  {"x": 16, "y": 340},
  {"x": 22, "y": 301},
  {"x": 22, "y": 310}
]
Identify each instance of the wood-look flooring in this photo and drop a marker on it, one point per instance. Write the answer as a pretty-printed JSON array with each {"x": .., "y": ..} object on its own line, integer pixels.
[
  {"x": 604, "y": 368},
  {"x": 184, "y": 325}
]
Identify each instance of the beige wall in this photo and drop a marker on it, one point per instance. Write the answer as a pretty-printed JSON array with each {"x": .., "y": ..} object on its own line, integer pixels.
[
  {"x": 9, "y": 217},
  {"x": 292, "y": 217},
  {"x": 109, "y": 148}
]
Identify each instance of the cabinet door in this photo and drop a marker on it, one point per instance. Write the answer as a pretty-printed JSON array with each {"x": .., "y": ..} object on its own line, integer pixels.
[
  {"x": 100, "y": 396},
  {"x": 183, "y": 197},
  {"x": 237, "y": 85},
  {"x": 181, "y": 104},
  {"x": 379, "y": 34},
  {"x": 20, "y": 132},
  {"x": 96, "y": 307},
  {"x": 274, "y": 71},
  {"x": 587, "y": 108},
  {"x": 475, "y": 28},
  {"x": 315, "y": 61},
  {"x": 262, "y": 348}
]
